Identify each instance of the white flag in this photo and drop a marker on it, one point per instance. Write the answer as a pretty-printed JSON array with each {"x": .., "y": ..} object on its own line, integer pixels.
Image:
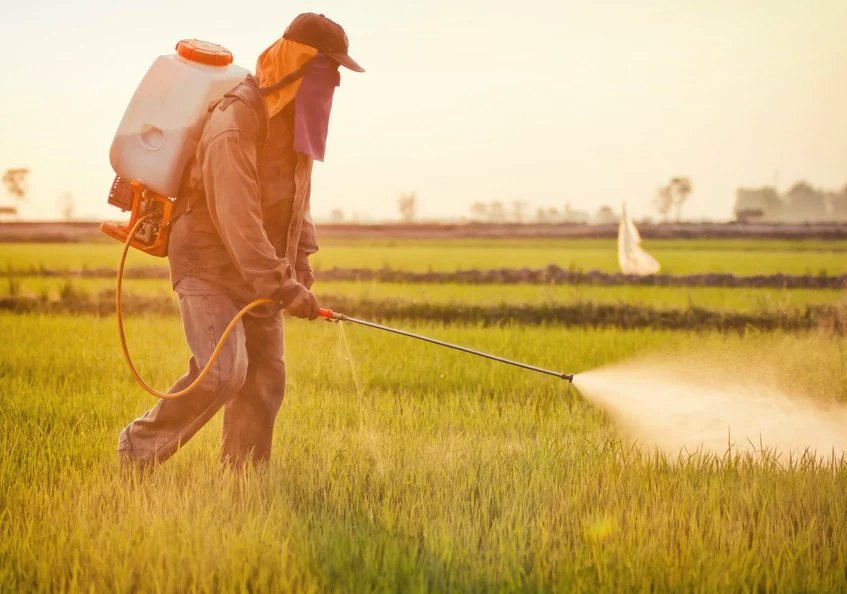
[{"x": 631, "y": 257}]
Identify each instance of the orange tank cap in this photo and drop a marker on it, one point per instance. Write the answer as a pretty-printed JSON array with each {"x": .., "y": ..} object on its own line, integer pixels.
[{"x": 204, "y": 52}]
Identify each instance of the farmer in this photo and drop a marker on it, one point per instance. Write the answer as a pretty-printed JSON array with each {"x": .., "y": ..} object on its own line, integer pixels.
[{"x": 246, "y": 233}]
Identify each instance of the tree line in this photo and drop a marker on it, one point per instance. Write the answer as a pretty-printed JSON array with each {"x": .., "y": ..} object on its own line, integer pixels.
[
  {"x": 802, "y": 203},
  {"x": 669, "y": 197}
]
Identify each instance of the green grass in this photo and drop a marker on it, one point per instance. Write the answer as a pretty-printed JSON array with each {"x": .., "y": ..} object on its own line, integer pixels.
[
  {"x": 70, "y": 256},
  {"x": 447, "y": 473},
  {"x": 676, "y": 257},
  {"x": 724, "y": 299},
  {"x": 674, "y": 260}
]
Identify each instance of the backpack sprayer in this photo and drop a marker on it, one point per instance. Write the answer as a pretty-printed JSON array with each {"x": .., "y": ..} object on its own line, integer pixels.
[
  {"x": 154, "y": 143},
  {"x": 158, "y": 135}
]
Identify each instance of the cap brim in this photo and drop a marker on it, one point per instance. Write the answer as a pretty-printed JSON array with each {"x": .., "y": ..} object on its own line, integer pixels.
[{"x": 346, "y": 61}]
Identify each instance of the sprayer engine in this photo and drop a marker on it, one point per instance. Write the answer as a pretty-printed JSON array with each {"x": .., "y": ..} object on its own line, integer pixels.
[{"x": 143, "y": 203}]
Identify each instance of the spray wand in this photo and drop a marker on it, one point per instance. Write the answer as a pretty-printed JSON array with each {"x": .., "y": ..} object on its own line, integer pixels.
[
  {"x": 324, "y": 313},
  {"x": 333, "y": 316}
]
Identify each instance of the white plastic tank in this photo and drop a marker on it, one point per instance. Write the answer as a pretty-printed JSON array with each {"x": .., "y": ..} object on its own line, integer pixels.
[{"x": 164, "y": 119}]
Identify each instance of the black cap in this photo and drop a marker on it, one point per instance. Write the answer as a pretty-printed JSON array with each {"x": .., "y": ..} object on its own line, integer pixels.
[{"x": 323, "y": 34}]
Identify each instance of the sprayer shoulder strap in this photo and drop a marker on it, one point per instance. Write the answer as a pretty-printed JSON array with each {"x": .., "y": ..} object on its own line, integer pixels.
[{"x": 246, "y": 92}]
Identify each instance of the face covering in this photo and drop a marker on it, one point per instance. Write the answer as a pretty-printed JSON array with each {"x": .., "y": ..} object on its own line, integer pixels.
[
  {"x": 277, "y": 69},
  {"x": 312, "y": 106}
]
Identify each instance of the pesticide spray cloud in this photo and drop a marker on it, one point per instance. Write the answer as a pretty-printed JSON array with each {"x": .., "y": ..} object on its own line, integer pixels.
[{"x": 670, "y": 404}]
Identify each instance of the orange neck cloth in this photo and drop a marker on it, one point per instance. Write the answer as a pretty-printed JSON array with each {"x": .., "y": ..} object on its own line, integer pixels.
[{"x": 279, "y": 60}]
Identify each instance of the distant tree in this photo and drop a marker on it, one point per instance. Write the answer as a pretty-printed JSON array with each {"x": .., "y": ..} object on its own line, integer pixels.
[
  {"x": 548, "y": 215},
  {"x": 519, "y": 210},
  {"x": 496, "y": 211},
  {"x": 336, "y": 215},
  {"x": 606, "y": 216},
  {"x": 674, "y": 194},
  {"x": 680, "y": 190},
  {"x": 15, "y": 181},
  {"x": 839, "y": 205},
  {"x": 663, "y": 201},
  {"x": 572, "y": 215},
  {"x": 66, "y": 205},
  {"x": 479, "y": 210},
  {"x": 408, "y": 205}
]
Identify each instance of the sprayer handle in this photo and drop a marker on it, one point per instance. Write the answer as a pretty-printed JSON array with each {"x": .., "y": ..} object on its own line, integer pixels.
[{"x": 332, "y": 316}]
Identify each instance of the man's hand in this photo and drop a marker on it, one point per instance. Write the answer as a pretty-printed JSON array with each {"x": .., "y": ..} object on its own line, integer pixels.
[
  {"x": 305, "y": 306},
  {"x": 298, "y": 300}
]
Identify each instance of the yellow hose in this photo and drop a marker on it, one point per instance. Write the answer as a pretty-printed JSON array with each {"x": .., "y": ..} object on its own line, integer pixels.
[{"x": 215, "y": 353}]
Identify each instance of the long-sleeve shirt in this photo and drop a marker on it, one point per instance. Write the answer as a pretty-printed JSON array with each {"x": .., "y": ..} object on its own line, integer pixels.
[{"x": 247, "y": 228}]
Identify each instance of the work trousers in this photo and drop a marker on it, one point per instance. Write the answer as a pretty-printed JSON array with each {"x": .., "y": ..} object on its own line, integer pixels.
[{"x": 247, "y": 379}]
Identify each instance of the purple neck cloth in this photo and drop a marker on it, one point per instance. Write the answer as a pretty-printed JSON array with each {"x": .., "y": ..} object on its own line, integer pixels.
[{"x": 312, "y": 106}]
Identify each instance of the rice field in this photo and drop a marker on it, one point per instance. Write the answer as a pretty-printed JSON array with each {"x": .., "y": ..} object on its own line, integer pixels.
[{"x": 441, "y": 471}]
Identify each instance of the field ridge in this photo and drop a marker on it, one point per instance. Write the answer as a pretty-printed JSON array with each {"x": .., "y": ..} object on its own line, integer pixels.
[
  {"x": 549, "y": 275},
  {"x": 586, "y": 313},
  {"x": 86, "y": 231}
]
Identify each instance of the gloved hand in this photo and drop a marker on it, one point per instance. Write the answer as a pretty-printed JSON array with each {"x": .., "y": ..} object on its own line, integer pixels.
[
  {"x": 298, "y": 300},
  {"x": 306, "y": 278},
  {"x": 305, "y": 305}
]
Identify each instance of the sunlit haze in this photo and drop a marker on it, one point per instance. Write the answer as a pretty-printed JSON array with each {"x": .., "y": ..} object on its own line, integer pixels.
[{"x": 550, "y": 102}]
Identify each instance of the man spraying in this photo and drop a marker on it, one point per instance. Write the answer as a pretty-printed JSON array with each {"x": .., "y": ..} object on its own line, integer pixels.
[{"x": 246, "y": 233}]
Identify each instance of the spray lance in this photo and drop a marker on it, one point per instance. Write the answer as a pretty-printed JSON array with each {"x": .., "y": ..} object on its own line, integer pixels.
[
  {"x": 333, "y": 316},
  {"x": 326, "y": 314}
]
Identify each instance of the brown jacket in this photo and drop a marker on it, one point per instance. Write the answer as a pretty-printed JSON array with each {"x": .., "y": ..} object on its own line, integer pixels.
[{"x": 247, "y": 228}]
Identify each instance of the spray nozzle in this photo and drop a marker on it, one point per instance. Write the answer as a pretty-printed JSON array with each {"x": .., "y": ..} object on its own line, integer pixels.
[{"x": 332, "y": 316}]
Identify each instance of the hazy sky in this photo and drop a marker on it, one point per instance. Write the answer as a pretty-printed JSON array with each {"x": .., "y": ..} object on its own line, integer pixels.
[{"x": 549, "y": 101}]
